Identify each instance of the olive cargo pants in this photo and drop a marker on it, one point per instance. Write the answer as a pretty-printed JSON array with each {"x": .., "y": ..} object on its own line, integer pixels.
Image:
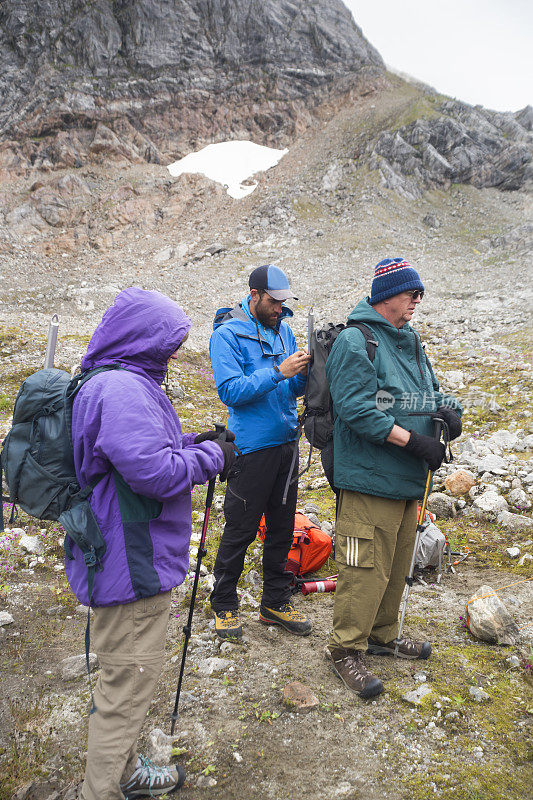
[
  {"x": 374, "y": 542},
  {"x": 130, "y": 642}
]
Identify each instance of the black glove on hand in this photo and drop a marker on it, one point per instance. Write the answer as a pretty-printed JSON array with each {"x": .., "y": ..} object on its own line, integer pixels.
[
  {"x": 431, "y": 450},
  {"x": 452, "y": 420},
  {"x": 228, "y": 450},
  {"x": 212, "y": 436}
]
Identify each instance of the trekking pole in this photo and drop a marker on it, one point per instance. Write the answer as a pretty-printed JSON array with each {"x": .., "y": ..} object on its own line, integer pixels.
[
  {"x": 200, "y": 554},
  {"x": 51, "y": 342},
  {"x": 419, "y": 528}
]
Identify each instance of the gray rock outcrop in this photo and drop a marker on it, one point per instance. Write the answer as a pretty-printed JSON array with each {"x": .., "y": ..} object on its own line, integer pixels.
[
  {"x": 456, "y": 144},
  {"x": 130, "y": 79}
]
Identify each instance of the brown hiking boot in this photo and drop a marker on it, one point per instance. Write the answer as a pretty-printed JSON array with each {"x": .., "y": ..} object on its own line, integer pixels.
[
  {"x": 351, "y": 669},
  {"x": 407, "y": 648}
]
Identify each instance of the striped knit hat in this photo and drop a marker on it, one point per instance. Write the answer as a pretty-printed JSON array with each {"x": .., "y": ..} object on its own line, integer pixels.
[{"x": 393, "y": 276}]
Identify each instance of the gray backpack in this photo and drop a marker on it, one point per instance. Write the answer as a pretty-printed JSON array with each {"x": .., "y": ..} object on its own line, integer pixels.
[
  {"x": 318, "y": 408},
  {"x": 37, "y": 459}
]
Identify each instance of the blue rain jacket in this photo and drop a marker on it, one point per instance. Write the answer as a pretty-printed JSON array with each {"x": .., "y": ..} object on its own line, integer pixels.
[{"x": 261, "y": 402}]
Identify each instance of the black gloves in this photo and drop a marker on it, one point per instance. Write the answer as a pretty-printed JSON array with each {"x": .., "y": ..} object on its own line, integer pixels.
[
  {"x": 452, "y": 420},
  {"x": 431, "y": 450},
  {"x": 212, "y": 436},
  {"x": 228, "y": 450}
]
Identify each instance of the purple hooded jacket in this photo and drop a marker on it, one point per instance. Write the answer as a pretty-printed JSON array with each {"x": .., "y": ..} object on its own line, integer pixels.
[{"x": 124, "y": 427}]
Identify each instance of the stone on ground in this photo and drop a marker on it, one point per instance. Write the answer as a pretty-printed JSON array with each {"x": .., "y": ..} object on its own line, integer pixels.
[
  {"x": 488, "y": 619},
  {"x": 298, "y": 697},
  {"x": 460, "y": 482}
]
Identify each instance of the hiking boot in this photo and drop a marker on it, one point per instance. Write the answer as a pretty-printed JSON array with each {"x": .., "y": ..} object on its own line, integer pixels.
[
  {"x": 407, "y": 648},
  {"x": 286, "y": 616},
  {"x": 227, "y": 625},
  {"x": 148, "y": 780},
  {"x": 350, "y": 667}
]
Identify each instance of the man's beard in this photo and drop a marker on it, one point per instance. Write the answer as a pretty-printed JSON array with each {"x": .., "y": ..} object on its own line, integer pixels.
[{"x": 269, "y": 320}]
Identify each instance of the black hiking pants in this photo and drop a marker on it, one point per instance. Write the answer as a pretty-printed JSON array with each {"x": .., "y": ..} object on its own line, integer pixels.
[{"x": 256, "y": 483}]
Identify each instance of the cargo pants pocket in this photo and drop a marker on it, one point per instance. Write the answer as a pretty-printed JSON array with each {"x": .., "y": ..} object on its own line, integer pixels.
[{"x": 356, "y": 550}]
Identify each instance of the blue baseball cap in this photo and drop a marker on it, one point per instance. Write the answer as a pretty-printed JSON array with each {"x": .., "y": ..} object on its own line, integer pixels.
[{"x": 273, "y": 280}]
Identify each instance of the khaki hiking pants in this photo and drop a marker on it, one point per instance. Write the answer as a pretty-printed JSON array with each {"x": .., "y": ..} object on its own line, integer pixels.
[
  {"x": 130, "y": 642},
  {"x": 374, "y": 540}
]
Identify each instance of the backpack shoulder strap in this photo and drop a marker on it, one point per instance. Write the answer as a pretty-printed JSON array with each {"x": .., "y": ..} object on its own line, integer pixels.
[{"x": 370, "y": 340}]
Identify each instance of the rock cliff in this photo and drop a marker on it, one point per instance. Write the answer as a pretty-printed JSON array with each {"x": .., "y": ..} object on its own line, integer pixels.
[
  {"x": 131, "y": 79},
  {"x": 456, "y": 143}
]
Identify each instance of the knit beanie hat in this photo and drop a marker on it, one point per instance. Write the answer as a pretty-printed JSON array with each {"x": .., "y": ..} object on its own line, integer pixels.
[{"x": 393, "y": 276}]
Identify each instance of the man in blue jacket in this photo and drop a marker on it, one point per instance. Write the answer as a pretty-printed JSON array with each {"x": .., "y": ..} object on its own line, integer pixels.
[{"x": 259, "y": 373}]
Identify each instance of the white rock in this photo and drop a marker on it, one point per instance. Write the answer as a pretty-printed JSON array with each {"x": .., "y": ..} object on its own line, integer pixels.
[
  {"x": 519, "y": 499},
  {"x": 490, "y": 502},
  {"x": 163, "y": 255},
  {"x": 488, "y": 618},
  {"x": 6, "y": 618},
  {"x": 160, "y": 746},
  {"x": 515, "y": 522},
  {"x": 237, "y": 756},
  {"x": 31, "y": 544},
  {"x": 513, "y": 661},
  {"x": 478, "y": 694},
  {"x": 416, "y": 695},
  {"x": 207, "y": 666},
  {"x": 503, "y": 439},
  {"x": 513, "y": 552},
  {"x": 493, "y": 463},
  {"x": 526, "y": 557}
]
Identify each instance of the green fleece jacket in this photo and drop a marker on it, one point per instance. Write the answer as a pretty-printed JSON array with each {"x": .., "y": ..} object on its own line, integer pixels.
[{"x": 398, "y": 387}]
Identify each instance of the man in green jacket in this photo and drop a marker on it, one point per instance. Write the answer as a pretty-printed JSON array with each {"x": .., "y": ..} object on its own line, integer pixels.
[{"x": 383, "y": 445}]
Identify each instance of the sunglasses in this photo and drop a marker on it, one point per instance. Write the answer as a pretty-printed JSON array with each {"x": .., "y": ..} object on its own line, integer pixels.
[{"x": 415, "y": 294}]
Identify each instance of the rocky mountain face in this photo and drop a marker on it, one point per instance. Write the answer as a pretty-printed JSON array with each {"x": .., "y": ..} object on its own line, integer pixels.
[
  {"x": 456, "y": 143},
  {"x": 136, "y": 79}
]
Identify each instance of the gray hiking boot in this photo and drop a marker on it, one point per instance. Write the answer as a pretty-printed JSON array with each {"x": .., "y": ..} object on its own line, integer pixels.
[
  {"x": 148, "y": 780},
  {"x": 350, "y": 667},
  {"x": 407, "y": 648}
]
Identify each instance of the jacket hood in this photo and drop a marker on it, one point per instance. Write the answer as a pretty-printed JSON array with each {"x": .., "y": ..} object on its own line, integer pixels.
[
  {"x": 241, "y": 313},
  {"x": 140, "y": 330},
  {"x": 364, "y": 312}
]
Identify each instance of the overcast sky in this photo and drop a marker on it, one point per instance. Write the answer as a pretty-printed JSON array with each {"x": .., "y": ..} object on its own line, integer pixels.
[{"x": 479, "y": 51}]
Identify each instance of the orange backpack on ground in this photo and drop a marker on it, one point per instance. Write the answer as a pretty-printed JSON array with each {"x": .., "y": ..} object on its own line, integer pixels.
[{"x": 310, "y": 549}]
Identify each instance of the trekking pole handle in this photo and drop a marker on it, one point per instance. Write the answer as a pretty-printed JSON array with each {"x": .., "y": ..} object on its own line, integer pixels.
[
  {"x": 51, "y": 342},
  {"x": 221, "y": 430}
]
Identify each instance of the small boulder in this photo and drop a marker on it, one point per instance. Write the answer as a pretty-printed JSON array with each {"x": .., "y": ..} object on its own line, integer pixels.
[
  {"x": 490, "y": 502},
  {"x": 416, "y": 696},
  {"x": 519, "y": 499},
  {"x": 460, "y": 482},
  {"x": 488, "y": 619},
  {"x": 208, "y": 666},
  {"x": 160, "y": 746},
  {"x": 441, "y": 505},
  {"x": 514, "y": 522},
  {"x": 6, "y": 618},
  {"x": 31, "y": 544},
  {"x": 298, "y": 697},
  {"x": 478, "y": 694},
  {"x": 492, "y": 463},
  {"x": 76, "y": 666},
  {"x": 513, "y": 552}
]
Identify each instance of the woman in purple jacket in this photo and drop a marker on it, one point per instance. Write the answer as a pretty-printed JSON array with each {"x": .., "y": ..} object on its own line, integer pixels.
[{"x": 125, "y": 428}]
